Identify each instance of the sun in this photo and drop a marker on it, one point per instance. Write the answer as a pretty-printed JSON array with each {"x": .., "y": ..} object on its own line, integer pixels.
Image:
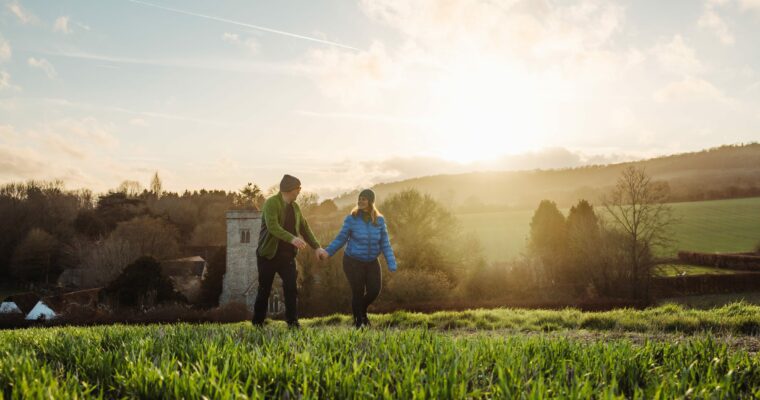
[{"x": 483, "y": 111}]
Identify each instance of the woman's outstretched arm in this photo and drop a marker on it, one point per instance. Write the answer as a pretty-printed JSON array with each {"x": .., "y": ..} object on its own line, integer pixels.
[
  {"x": 342, "y": 237},
  {"x": 385, "y": 246}
]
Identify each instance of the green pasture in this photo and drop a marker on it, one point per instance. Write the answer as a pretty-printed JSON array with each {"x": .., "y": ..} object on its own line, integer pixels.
[
  {"x": 509, "y": 354},
  {"x": 666, "y": 270},
  {"x": 705, "y": 226}
]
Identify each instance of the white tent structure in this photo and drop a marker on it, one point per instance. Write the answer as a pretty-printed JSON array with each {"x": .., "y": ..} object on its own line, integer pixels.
[
  {"x": 20, "y": 303},
  {"x": 41, "y": 311},
  {"x": 9, "y": 307}
]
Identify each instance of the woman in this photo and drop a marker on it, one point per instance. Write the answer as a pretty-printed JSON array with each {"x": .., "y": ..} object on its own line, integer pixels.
[{"x": 367, "y": 236}]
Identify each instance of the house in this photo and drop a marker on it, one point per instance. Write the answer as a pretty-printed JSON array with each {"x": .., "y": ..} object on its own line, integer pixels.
[
  {"x": 186, "y": 275},
  {"x": 53, "y": 306},
  {"x": 82, "y": 298}
]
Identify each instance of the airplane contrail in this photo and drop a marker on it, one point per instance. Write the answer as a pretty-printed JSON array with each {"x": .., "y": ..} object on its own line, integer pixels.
[{"x": 257, "y": 27}]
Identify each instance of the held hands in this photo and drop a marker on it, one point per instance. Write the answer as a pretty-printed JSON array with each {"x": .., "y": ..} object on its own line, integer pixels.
[
  {"x": 322, "y": 254},
  {"x": 298, "y": 242}
]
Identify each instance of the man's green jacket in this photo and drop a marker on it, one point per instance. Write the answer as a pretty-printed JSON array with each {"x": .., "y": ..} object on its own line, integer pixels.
[{"x": 272, "y": 231}]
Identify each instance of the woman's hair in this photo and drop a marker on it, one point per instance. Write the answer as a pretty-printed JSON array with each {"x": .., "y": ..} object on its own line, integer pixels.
[{"x": 374, "y": 214}]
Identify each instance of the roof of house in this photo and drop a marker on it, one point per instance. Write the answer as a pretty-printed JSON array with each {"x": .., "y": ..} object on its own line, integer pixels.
[
  {"x": 184, "y": 266},
  {"x": 81, "y": 296}
]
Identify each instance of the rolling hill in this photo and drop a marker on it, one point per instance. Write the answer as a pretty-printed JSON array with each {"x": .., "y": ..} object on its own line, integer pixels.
[{"x": 730, "y": 171}]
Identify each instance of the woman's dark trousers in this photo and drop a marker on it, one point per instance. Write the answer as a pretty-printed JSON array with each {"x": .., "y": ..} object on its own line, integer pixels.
[
  {"x": 286, "y": 268},
  {"x": 365, "y": 280}
]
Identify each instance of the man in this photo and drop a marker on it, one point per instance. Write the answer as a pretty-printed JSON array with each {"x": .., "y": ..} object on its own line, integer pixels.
[{"x": 279, "y": 242}]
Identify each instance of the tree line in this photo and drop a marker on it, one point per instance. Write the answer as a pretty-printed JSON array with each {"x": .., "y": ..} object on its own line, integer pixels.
[{"x": 49, "y": 230}]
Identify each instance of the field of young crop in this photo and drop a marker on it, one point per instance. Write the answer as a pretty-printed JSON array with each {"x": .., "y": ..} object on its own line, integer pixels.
[
  {"x": 705, "y": 226},
  {"x": 524, "y": 354}
]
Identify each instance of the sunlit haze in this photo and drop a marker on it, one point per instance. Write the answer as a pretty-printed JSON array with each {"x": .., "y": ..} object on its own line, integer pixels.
[{"x": 346, "y": 94}]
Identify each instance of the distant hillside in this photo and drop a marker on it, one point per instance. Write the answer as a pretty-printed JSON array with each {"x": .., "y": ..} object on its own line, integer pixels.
[{"x": 723, "y": 172}]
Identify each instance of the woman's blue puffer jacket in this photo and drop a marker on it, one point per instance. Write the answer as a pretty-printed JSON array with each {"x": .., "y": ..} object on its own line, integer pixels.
[{"x": 365, "y": 240}]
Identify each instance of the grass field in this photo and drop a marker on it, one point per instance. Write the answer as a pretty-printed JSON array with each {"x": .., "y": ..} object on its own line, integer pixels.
[
  {"x": 706, "y": 301},
  {"x": 406, "y": 356},
  {"x": 665, "y": 270},
  {"x": 706, "y": 226}
]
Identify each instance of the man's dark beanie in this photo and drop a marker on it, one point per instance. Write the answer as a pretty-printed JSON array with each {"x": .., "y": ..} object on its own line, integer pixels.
[
  {"x": 368, "y": 194},
  {"x": 289, "y": 183}
]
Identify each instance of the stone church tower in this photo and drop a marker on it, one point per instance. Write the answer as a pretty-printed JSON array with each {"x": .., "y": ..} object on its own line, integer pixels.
[{"x": 242, "y": 277}]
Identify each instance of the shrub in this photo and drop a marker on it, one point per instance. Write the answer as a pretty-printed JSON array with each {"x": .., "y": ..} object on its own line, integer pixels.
[
  {"x": 413, "y": 286},
  {"x": 487, "y": 282},
  {"x": 34, "y": 257},
  {"x": 141, "y": 286}
]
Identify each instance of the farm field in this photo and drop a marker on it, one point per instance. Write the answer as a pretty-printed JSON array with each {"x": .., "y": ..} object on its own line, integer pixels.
[
  {"x": 663, "y": 352},
  {"x": 706, "y": 226},
  {"x": 666, "y": 270},
  {"x": 713, "y": 300}
]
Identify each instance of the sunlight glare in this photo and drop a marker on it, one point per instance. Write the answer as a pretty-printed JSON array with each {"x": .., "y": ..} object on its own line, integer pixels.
[{"x": 485, "y": 111}]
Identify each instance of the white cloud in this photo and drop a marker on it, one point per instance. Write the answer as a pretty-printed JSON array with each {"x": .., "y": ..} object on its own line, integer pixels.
[
  {"x": 540, "y": 38},
  {"x": 44, "y": 65},
  {"x": 249, "y": 43},
  {"x": 20, "y": 163},
  {"x": 5, "y": 81},
  {"x": 58, "y": 143},
  {"x": 539, "y": 28},
  {"x": 62, "y": 25},
  {"x": 23, "y": 15},
  {"x": 8, "y": 132},
  {"x": 711, "y": 20},
  {"x": 5, "y": 50},
  {"x": 138, "y": 122},
  {"x": 690, "y": 90},
  {"x": 147, "y": 114},
  {"x": 89, "y": 129},
  {"x": 677, "y": 57},
  {"x": 349, "y": 76},
  {"x": 214, "y": 64},
  {"x": 753, "y": 5}
]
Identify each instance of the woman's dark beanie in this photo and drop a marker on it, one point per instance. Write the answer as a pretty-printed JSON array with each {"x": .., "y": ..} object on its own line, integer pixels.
[
  {"x": 289, "y": 183},
  {"x": 368, "y": 194}
]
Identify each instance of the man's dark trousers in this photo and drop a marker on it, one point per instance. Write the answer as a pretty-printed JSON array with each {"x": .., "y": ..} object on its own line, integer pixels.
[{"x": 285, "y": 265}]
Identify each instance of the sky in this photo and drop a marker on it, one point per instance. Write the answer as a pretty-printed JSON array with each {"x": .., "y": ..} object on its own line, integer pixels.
[{"x": 345, "y": 94}]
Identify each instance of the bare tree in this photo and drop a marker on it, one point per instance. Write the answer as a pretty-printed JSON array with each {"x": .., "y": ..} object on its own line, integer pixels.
[
  {"x": 156, "y": 187},
  {"x": 130, "y": 188},
  {"x": 637, "y": 209},
  {"x": 34, "y": 256},
  {"x": 103, "y": 261},
  {"x": 151, "y": 236}
]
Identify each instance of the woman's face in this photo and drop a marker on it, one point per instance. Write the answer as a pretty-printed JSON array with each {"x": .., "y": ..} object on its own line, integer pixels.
[{"x": 363, "y": 203}]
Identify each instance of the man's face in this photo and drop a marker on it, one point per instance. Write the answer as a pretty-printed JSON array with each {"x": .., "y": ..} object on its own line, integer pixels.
[{"x": 293, "y": 194}]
